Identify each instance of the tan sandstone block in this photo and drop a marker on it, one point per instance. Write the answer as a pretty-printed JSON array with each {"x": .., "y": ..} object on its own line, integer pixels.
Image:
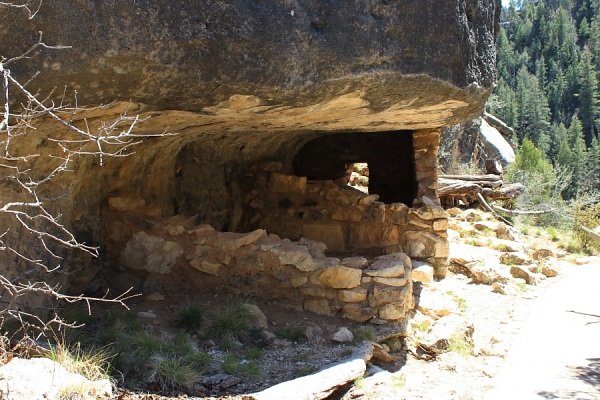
[
  {"x": 387, "y": 295},
  {"x": 391, "y": 312},
  {"x": 353, "y": 296},
  {"x": 395, "y": 282},
  {"x": 340, "y": 277},
  {"x": 359, "y": 313}
]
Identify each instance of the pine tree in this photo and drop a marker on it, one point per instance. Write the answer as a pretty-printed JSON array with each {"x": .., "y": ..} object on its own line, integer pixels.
[
  {"x": 533, "y": 111},
  {"x": 556, "y": 93},
  {"x": 559, "y": 141},
  {"x": 593, "y": 170},
  {"x": 588, "y": 96},
  {"x": 506, "y": 59},
  {"x": 503, "y": 104},
  {"x": 573, "y": 155}
]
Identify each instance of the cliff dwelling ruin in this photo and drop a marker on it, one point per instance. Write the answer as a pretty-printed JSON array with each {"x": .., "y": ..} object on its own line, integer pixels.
[{"x": 268, "y": 108}]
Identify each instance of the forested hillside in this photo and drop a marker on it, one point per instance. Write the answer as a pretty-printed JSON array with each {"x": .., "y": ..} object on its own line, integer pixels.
[{"x": 548, "y": 68}]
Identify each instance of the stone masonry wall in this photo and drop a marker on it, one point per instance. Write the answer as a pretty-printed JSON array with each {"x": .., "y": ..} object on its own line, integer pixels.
[
  {"x": 345, "y": 219},
  {"x": 255, "y": 264}
]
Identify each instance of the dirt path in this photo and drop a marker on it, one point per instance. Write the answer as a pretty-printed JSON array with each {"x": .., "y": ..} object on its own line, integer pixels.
[{"x": 556, "y": 354}]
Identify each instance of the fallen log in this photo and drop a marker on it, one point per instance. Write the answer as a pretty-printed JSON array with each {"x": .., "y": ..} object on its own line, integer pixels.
[
  {"x": 473, "y": 178},
  {"x": 457, "y": 188},
  {"x": 483, "y": 183},
  {"x": 508, "y": 192},
  {"x": 490, "y": 209},
  {"x": 590, "y": 233},
  {"x": 520, "y": 212}
]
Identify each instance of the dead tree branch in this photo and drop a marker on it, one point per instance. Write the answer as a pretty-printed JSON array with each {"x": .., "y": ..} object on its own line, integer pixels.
[{"x": 32, "y": 237}]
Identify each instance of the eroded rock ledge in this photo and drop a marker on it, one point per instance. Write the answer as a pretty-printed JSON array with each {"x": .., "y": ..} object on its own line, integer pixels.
[{"x": 198, "y": 54}]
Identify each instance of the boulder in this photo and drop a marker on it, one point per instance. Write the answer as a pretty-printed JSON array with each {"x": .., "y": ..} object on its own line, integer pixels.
[
  {"x": 515, "y": 258},
  {"x": 343, "y": 335},
  {"x": 150, "y": 253},
  {"x": 353, "y": 296},
  {"x": 295, "y": 255},
  {"x": 260, "y": 319},
  {"x": 386, "y": 295},
  {"x": 42, "y": 378},
  {"x": 487, "y": 275},
  {"x": 355, "y": 262},
  {"x": 359, "y": 313},
  {"x": 542, "y": 254},
  {"x": 531, "y": 278},
  {"x": 319, "y": 306}
]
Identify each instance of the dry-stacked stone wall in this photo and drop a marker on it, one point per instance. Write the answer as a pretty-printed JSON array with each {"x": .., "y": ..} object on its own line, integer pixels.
[
  {"x": 258, "y": 264},
  {"x": 348, "y": 220}
]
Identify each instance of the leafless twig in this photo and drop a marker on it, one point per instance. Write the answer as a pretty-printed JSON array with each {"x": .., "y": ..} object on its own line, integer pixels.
[{"x": 31, "y": 236}]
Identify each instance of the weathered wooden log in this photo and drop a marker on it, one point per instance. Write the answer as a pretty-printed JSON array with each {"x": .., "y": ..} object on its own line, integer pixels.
[
  {"x": 457, "y": 188},
  {"x": 473, "y": 178},
  {"x": 490, "y": 209},
  {"x": 590, "y": 233},
  {"x": 523, "y": 212},
  {"x": 508, "y": 192},
  {"x": 487, "y": 184}
]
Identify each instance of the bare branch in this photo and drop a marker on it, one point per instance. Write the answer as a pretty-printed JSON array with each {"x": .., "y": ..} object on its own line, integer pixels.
[{"x": 31, "y": 11}]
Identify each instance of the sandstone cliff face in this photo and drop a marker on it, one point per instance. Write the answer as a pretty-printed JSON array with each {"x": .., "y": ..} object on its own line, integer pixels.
[
  {"x": 242, "y": 82},
  {"x": 195, "y": 54}
]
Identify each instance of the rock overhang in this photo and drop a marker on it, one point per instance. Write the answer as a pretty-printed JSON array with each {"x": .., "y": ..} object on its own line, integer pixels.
[
  {"x": 199, "y": 55},
  {"x": 247, "y": 81}
]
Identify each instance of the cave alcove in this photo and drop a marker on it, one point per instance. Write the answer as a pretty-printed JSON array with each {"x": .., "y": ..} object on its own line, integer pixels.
[{"x": 390, "y": 156}]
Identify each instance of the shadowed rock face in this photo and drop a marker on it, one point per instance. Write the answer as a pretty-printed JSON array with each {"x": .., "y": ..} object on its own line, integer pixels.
[{"x": 193, "y": 55}]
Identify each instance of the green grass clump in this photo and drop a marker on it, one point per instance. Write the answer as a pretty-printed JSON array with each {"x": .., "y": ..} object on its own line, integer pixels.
[
  {"x": 116, "y": 328},
  {"x": 190, "y": 317},
  {"x": 230, "y": 364},
  {"x": 250, "y": 369},
  {"x": 364, "y": 333},
  {"x": 253, "y": 352},
  {"x": 552, "y": 233},
  {"x": 460, "y": 301},
  {"x": 501, "y": 247},
  {"x": 423, "y": 326},
  {"x": 346, "y": 353},
  {"x": 233, "y": 322},
  {"x": 460, "y": 345},
  {"x": 398, "y": 380},
  {"x": 172, "y": 372},
  {"x": 291, "y": 333},
  {"x": 93, "y": 364}
]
